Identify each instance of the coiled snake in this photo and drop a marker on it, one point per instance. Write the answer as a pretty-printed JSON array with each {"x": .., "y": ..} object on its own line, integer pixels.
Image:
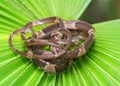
[{"x": 59, "y": 36}]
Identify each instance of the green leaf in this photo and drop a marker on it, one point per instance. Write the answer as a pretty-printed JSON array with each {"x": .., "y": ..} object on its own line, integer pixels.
[{"x": 100, "y": 66}]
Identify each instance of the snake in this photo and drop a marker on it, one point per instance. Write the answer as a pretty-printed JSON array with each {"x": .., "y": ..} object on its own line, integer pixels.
[{"x": 61, "y": 61}]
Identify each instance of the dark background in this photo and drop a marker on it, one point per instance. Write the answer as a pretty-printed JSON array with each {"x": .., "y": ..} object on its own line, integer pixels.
[{"x": 102, "y": 10}]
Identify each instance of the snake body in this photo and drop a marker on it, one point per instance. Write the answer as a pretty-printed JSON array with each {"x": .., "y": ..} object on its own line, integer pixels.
[{"x": 59, "y": 37}]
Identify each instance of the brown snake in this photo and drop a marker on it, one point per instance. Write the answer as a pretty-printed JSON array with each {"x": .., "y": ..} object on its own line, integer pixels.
[{"x": 59, "y": 37}]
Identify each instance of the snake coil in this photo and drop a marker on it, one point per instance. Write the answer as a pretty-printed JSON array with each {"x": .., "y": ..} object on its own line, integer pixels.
[{"x": 60, "y": 36}]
